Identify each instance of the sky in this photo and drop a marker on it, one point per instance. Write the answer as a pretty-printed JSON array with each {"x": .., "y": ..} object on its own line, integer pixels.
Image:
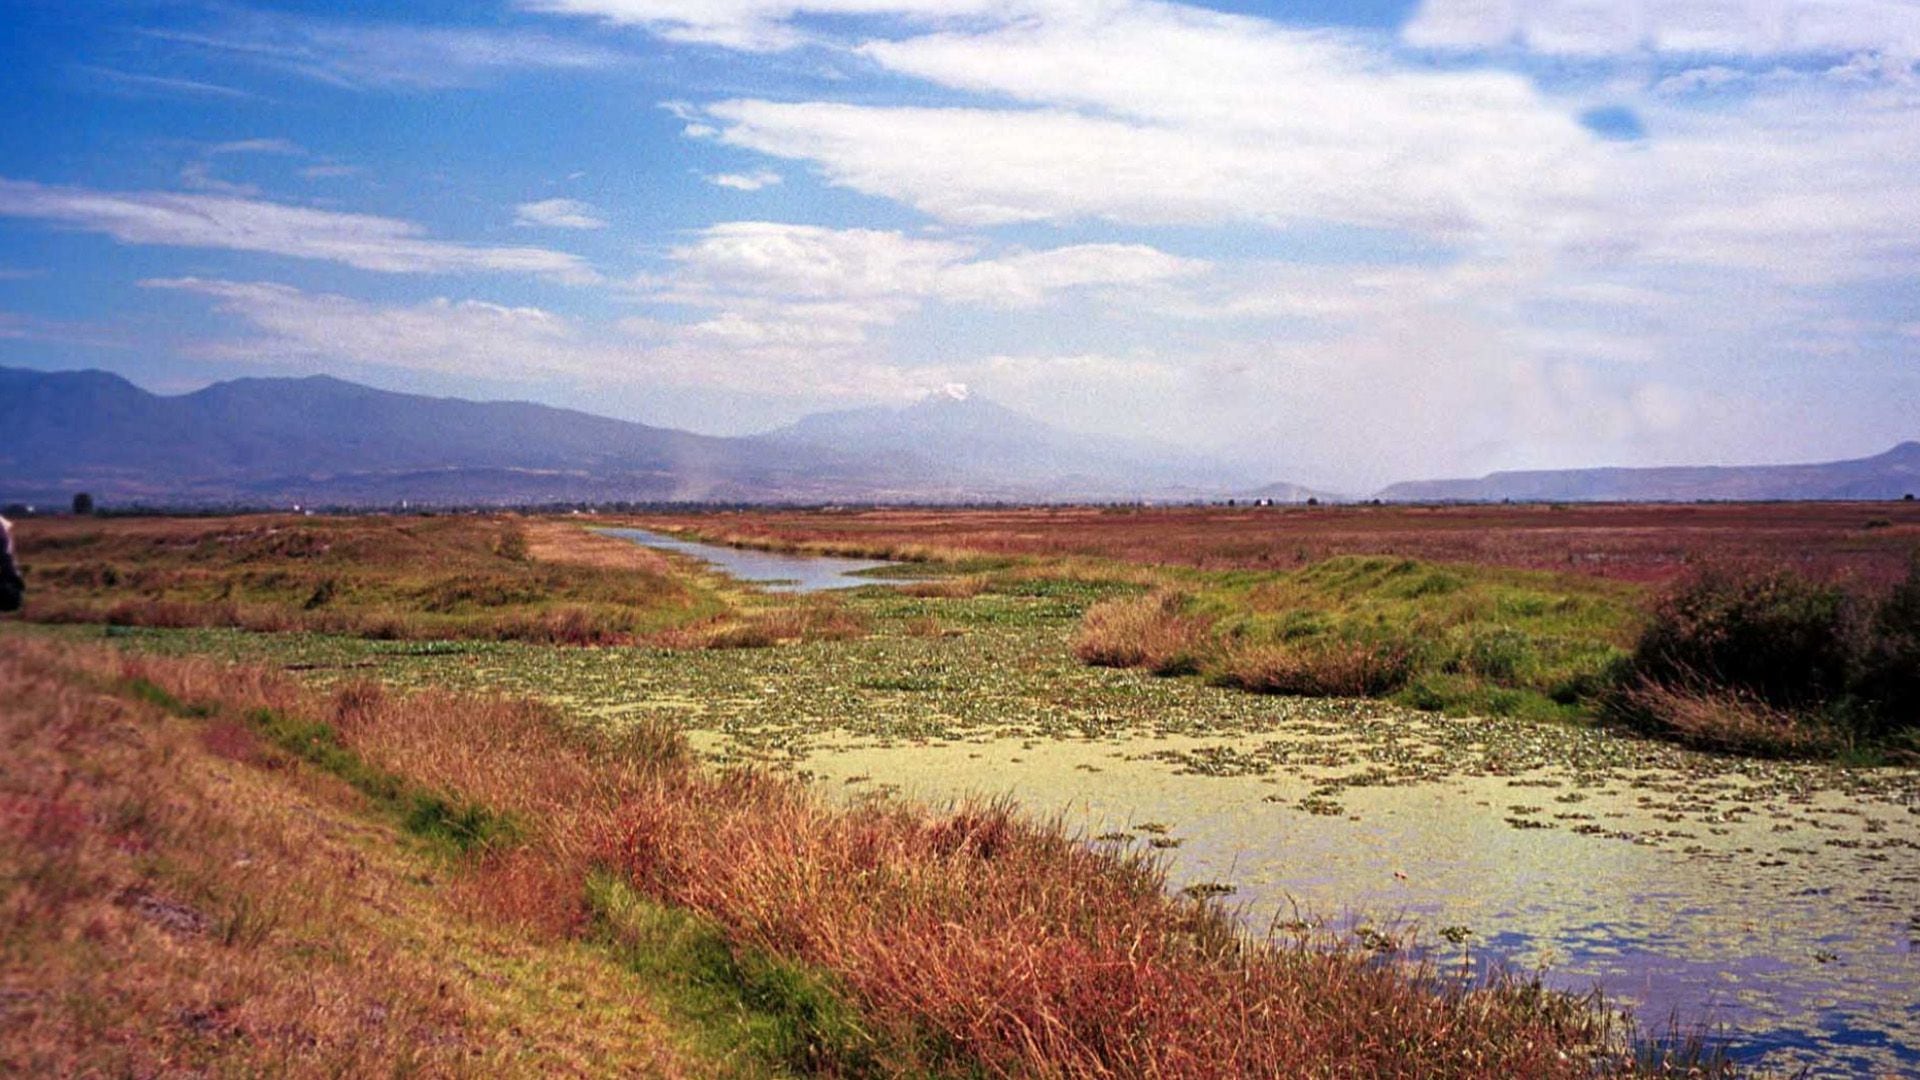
[{"x": 1340, "y": 244}]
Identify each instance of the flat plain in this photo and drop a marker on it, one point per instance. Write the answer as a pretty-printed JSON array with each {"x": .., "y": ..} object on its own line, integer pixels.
[{"x": 1767, "y": 903}]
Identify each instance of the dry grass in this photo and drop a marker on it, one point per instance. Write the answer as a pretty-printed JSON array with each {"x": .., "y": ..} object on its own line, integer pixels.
[
  {"x": 972, "y": 940},
  {"x": 178, "y": 900},
  {"x": 1321, "y": 669},
  {"x": 378, "y": 577},
  {"x": 1151, "y": 632},
  {"x": 570, "y": 541},
  {"x": 1728, "y": 720},
  {"x": 808, "y": 619},
  {"x": 1636, "y": 542}
]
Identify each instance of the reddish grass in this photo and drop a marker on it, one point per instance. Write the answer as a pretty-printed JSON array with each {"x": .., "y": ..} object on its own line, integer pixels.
[
  {"x": 976, "y": 936},
  {"x": 1150, "y": 632},
  {"x": 1626, "y": 541},
  {"x": 170, "y": 907},
  {"x": 1322, "y": 669},
  {"x": 1728, "y": 720}
]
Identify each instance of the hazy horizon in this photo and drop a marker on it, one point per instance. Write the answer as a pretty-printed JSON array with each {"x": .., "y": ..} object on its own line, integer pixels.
[{"x": 1335, "y": 244}]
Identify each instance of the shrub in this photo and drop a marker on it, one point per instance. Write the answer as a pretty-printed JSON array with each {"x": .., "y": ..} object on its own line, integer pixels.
[
  {"x": 1890, "y": 679},
  {"x": 1768, "y": 661},
  {"x": 1770, "y": 635},
  {"x": 1323, "y": 669},
  {"x": 1151, "y": 632}
]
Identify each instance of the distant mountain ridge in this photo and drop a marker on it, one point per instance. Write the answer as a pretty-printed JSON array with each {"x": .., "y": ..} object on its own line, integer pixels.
[
  {"x": 322, "y": 439},
  {"x": 951, "y": 435},
  {"x": 325, "y": 441},
  {"x": 1890, "y": 475}
]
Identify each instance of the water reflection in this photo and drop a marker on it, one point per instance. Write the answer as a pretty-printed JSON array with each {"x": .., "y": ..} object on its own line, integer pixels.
[
  {"x": 1801, "y": 948},
  {"x": 772, "y": 570}
]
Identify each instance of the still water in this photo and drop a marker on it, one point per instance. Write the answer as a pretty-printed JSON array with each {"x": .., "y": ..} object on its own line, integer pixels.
[
  {"x": 1776, "y": 903},
  {"x": 771, "y": 570},
  {"x": 1789, "y": 920}
]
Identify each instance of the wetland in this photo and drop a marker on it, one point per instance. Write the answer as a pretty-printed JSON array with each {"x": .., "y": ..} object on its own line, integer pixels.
[{"x": 1775, "y": 903}]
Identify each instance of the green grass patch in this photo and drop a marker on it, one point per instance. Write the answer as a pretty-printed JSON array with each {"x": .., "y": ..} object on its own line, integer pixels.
[
  {"x": 453, "y": 825},
  {"x": 767, "y": 1015},
  {"x": 1449, "y": 638}
]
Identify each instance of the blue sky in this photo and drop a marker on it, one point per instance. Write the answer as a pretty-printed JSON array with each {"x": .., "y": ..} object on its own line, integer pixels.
[{"x": 1337, "y": 243}]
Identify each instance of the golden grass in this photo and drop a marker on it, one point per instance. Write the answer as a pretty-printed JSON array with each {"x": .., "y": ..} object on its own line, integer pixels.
[
  {"x": 1152, "y": 632},
  {"x": 177, "y": 899},
  {"x": 804, "y": 619},
  {"x": 455, "y": 576},
  {"x": 970, "y": 940},
  {"x": 575, "y": 544}
]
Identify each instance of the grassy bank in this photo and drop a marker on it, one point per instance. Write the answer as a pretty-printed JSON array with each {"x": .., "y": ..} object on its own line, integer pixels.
[
  {"x": 879, "y": 939},
  {"x": 396, "y": 578},
  {"x": 1628, "y": 542},
  {"x": 1444, "y": 637}
]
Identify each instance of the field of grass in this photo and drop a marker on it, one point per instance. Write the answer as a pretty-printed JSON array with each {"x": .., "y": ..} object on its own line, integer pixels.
[
  {"x": 444, "y": 577},
  {"x": 1628, "y": 542},
  {"x": 1546, "y": 622},
  {"x": 761, "y": 927},
  {"x": 1462, "y": 639},
  {"x": 259, "y": 876}
]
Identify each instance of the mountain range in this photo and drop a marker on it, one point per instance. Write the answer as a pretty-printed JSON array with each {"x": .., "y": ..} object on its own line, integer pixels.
[
  {"x": 323, "y": 441},
  {"x": 1891, "y": 475}
]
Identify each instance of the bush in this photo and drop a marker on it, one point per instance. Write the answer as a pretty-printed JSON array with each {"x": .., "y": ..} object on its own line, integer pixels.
[
  {"x": 1768, "y": 634},
  {"x": 1890, "y": 679},
  {"x": 1767, "y": 661},
  {"x": 1327, "y": 669},
  {"x": 1151, "y": 632}
]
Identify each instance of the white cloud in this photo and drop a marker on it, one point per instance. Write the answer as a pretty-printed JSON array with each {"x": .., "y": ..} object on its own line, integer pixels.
[
  {"x": 464, "y": 337},
  {"x": 751, "y": 181},
  {"x": 754, "y": 25},
  {"x": 1220, "y": 119},
  {"x": 774, "y": 283},
  {"x": 1029, "y": 278},
  {"x": 1803, "y": 185},
  {"x": 363, "y": 241},
  {"x": 363, "y": 55},
  {"x": 558, "y": 214},
  {"x": 1723, "y": 27}
]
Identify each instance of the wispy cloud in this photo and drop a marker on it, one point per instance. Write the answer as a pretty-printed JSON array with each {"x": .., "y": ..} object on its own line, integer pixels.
[
  {"x": 1717, "y": 27},
  {"x": 451, "y": 336},
  {"x": 558, "y": 214},
  {"x": 113, "y": 80},
  {"x": 750, "y": 181},
  {"x": 1221, "y": 120},
  {"x": 231, "y": 223},
  {"x": 366, "y": 55},
  {"x": 758, "y": 25},
  {"x": 284, "y": 147}
]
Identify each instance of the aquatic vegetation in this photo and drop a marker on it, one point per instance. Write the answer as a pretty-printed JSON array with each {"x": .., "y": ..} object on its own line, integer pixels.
[
  {"x": 881, "y": 937},
  {"x": 998, "y": 697}
]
